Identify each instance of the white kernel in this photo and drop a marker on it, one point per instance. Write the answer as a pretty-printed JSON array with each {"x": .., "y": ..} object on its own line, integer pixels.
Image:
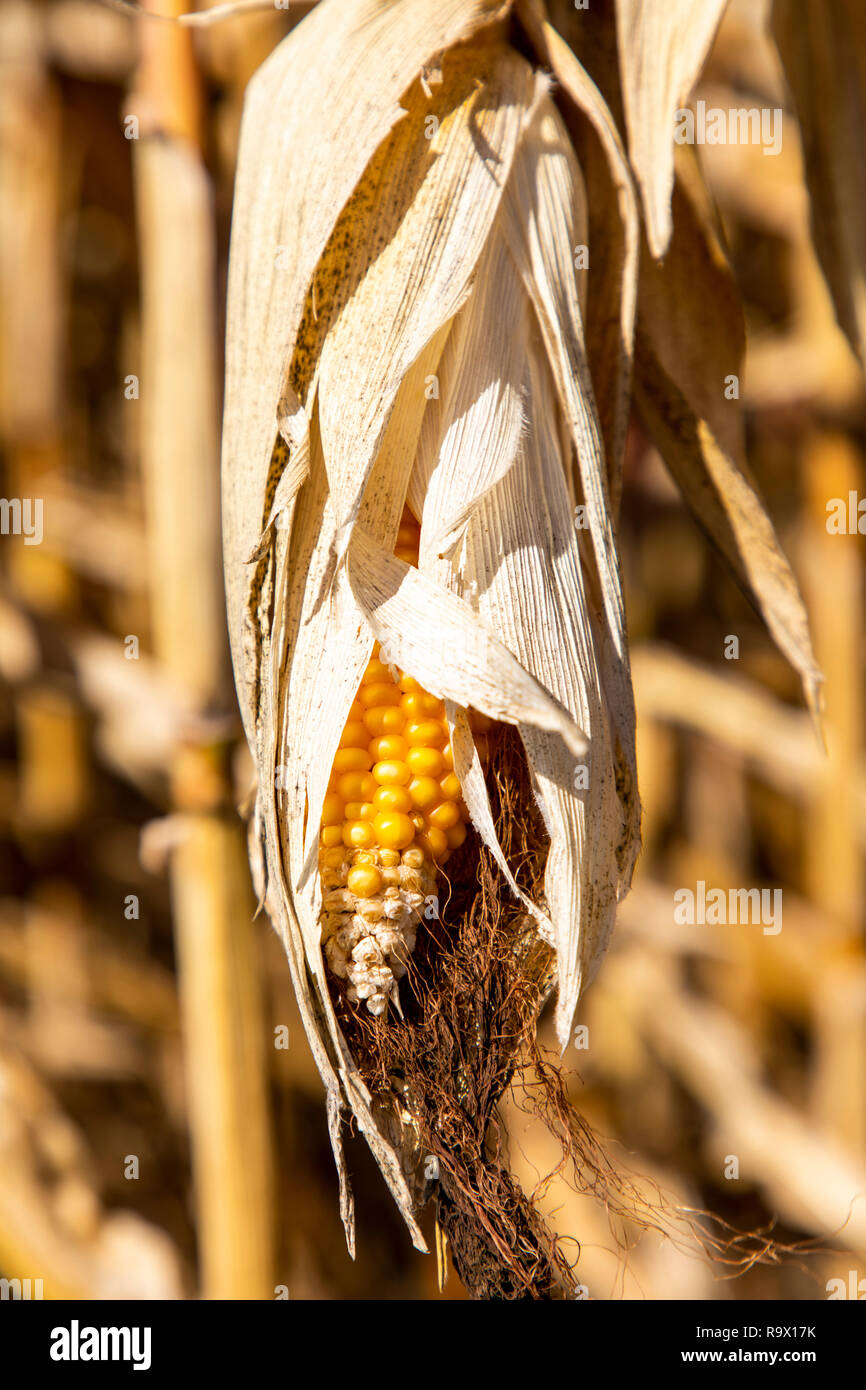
[
  {"x": 366, "y": 953},
  {"x": 370, "y": 909},
  {"x": 339, "y": 900}
]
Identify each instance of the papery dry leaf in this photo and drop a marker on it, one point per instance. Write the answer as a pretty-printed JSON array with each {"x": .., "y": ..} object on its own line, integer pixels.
[
  {"x": 613, "y": 213},
  {"x": 297, "y": 167},
  {"x": 690, "y": 342},
  {"x": 662, "y": 48},
  {"x": 823, "y": 48},
  {"x": 520, "y": 553}
]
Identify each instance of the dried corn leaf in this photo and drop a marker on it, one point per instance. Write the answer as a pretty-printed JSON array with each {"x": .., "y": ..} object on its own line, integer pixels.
[
  {"x": 690, "y": 343},
  {"x": 516, "y": 557},
  {"x": 296, "y": 171},
  {"x": 662, "y": 48},
  {"x": 823, "y": 48},
  {"x": 522, "y": 551},
  {"x": 539, "y": 216},
  {"x": 614, "y": 253},
  {"x": 433, "y": 204}
]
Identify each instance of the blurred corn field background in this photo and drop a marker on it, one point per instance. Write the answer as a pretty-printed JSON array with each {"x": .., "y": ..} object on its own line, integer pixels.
[{"x": 162, "y": 1132}]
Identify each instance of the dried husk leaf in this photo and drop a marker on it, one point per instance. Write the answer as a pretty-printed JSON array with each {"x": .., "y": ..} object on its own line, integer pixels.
[
  {"x": 433, "y": 204},
  {"x": 613, "y": 237},
  {"x": 690, "y": 339},
  {"x": 539, "y": 220},
  {"x": 662, "y": 48},
  {"x": 481, "y": 379},
  {"x": 297, "y": 167},
  {"x": 523, "y": 552},
  {"x": 823, "y": 48},
  {"x": 517, "y": 556}
]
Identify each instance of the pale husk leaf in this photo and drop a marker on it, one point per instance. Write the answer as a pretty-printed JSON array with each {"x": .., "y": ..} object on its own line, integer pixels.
[
  {"x": 662, "y": 48},
  {"x": 539, "y": 213},
  {"x": 522, "y": 550},
  {"x": 434, "y": 208},
  {"x": 614, "y": 264},
  {"x": 436, "y": 636},
  {"x": 519, "y": 562},
  {"x": 296, "y": 170}
]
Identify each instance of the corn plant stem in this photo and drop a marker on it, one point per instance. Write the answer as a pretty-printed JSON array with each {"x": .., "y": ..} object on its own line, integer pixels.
[{"x": 220, "y": 999}]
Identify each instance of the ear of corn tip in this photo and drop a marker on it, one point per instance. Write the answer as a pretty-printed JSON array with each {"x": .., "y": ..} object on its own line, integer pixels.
[{"x": 392, "y": 814}]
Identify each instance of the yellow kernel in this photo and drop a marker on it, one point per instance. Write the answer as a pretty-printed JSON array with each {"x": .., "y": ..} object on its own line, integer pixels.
[
  {"x": 456, "y": 835},
  {"x": 450, "y": 785},
  {"x": 364, "y": 881},
  {"x": 356, "y": 710},
  {"x": 424, "y": 762},
  {"x": 333, "y": 858},
  {"x": 332, "y": 810},
  {"x": 410, "y": 686},
  {"x": 419, "y": 705},
  {"x": 426, "y": 734},
  {"x": 389, "y": 746},
  {"x": 379, "y": 693},
  {"x": 444, "y": 816},
  {"x": 392, "y": 799},
  {"x": 392, "y": 773},
  {"x": 424, "y": 792},
  {"x": 384, "y": 719},
  {"x": 356, "y": 786},
  {"x": 448, "y": 756},
  {"x": 352, "y": 760},
  {"x": 358, "y": 834},
  {"x": 435, "y": 842},
  {"x": 389, "y": 858},
  {"x": 418, "y": 821},
  {"x": 332, "y": 835},
  {"x": 376, "y": 671},
  {"x": 355, "y": 810},
  {"x": 354, "y": 735},
  {"x": 364, "y": 856},
  {"x": 393, "y": 829},
  {"x": 413, "y": 858}
]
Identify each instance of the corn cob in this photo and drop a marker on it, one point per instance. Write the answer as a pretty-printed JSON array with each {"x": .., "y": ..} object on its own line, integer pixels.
[{"x": 392, "y": 815}]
